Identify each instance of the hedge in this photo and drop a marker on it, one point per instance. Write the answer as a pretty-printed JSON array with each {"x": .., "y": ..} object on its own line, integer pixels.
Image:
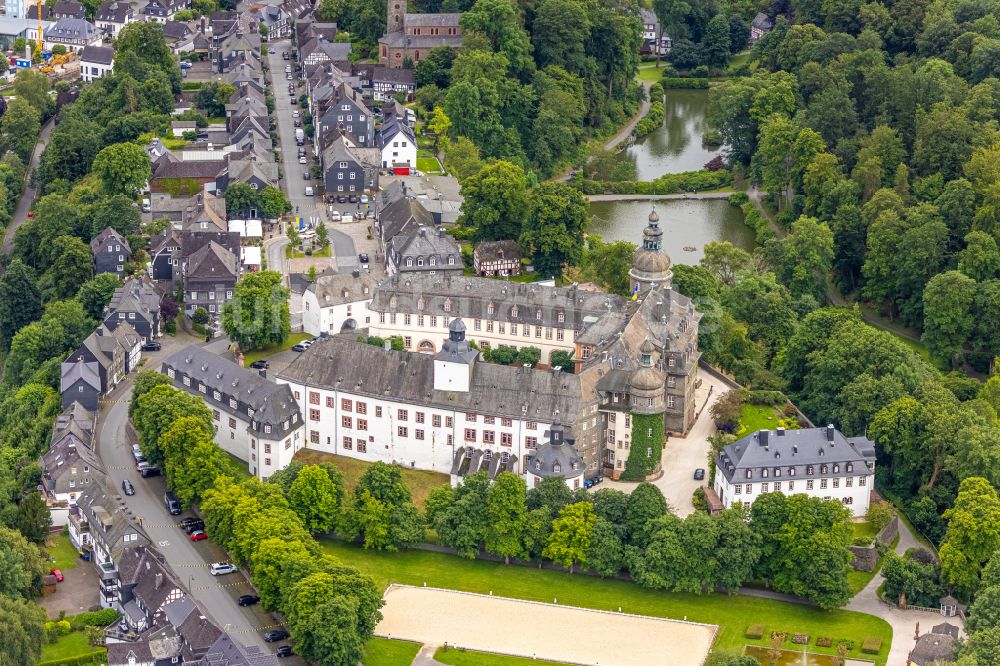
[
  {"x": 756, "y": 221},
  {"x": 95, "y": 657},
  {"x": 644, "y": 456},
  {"x": 871, "y": 645},
  {"x": 755, "y": 631},
  {"x": 101, "y": 618},
  {"x": 671, "y": 183},
  {"x": 769, "y": 398},
  {"x": 680, "y": 83}
]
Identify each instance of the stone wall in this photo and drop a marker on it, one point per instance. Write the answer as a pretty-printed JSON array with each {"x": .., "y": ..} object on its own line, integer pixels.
[{"x": 866, "y": 557}]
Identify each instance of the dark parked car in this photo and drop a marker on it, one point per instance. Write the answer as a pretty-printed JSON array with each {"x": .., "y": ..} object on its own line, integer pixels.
[
  {"x": 248, "y": 600},
  {"x": 284, "y": 651},
  {"x": 699, "y": 474},
  {"x": 306, "y": 175},
  {"x": 260, "y": 365},
  {"x": 146, "y": 470},
  {"x": 353, "y": 198},
  {"x": 151, "y": 346},
  {"x": 298, "y": 123},
  {"x": 285, "y": 55},
  {"x": 127, "y": 487},
  {"x": 275, "y": 635},
  {"x": 341, "y": 198},
  {"x": 190, "y": 525}
]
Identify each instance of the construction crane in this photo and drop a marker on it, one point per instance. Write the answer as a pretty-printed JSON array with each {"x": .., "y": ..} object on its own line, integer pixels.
[{"x": 41, "y": 38}]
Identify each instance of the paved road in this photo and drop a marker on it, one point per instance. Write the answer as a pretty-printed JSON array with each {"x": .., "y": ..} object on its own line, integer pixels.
[
  {"x": 189, "y": 560},
  {"x": 28, "y": 196},
  {"x": 295, "y": 184}
]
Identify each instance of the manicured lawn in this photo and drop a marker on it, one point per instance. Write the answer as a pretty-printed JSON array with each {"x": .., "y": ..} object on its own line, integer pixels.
[
  {"x": 295, "y": 254},
  {"x": 256, "y": 354},
  {"x": 419, "y": 482},
  {"x": 650, "y": 73},
  {"x": 388, "y": 652},
  {"x": 71, "y": 645},
  {"x": 863, "y": 529},
  {"x": 471, "y": 658},
  {"x": 739, "y": 60},
  {"x": 428, "y": 164},
  {"x": 758, "y": 417},
  {"x": 61, "y": 550},
  {"x": 174, "y": 142},
  {"x": 733, "y": 614}
]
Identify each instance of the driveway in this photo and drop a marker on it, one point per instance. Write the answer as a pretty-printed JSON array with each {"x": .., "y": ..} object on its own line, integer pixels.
[
  {"x": 344, "y": 248},
  {"x": 683, "y": 455},
  {"x": 188, "y": 560},
  {"x": 76, "y": 594}
]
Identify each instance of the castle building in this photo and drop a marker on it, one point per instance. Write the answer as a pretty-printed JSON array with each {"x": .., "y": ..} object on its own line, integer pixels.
[
  {"x": 633, "y": 380},
  {"x": 413, "y": 36}
]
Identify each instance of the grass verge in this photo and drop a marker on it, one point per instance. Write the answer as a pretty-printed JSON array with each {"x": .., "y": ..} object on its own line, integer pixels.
[
  {"x": 759, "y": 417},
  {"x": 61, "y": 552},
  {"x": 650, "y": 73},
  {"x": 454, "y": 657},
  {"x": 419, "y": 482},
  {"x": 257, "y": 354},
  {"x": 733, "y": 614},
  {"x": 389, "y": 652}
]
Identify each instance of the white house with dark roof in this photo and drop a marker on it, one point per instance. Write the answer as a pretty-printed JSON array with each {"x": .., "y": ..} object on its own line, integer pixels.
[
  {"x": 114, "y": 15},
  {"x": 96, "y": 61},
  {"x": 760, "y": 26},
  {"x": 399, "y": 147},
  {"x": 70, "y": 464},
  {"x": 426, "y": 250},
  {"x": 256, "y": 420},
  {"x": 819, "y": 462},
  {"x": 73, "y": 33},
  {"x": 337, "y": 303}
]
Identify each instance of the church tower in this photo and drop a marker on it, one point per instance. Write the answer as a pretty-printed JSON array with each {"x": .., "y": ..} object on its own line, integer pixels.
[
  {"x": 650, "y": 264},
  {"x": 395, "y": 16}
]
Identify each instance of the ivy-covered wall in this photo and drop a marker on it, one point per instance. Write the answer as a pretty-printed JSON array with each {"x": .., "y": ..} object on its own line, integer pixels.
[{"x": 644, "y": 456}]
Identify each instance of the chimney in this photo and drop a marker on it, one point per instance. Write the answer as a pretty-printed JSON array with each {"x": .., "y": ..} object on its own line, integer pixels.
[
  {"x": 781, "y": 431},
  {"x": 762, "y": 437},
  {"x": 159, "y": 581},
  {"x": 829, "y": 432}
]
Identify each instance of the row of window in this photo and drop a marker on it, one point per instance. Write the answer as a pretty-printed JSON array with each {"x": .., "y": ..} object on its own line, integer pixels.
[
  {"x": 193, "y": 295},
  {"x": 790, "y": 485},
  {"x": 810, "y": 470},
  {"x": 217, "y": 396}
]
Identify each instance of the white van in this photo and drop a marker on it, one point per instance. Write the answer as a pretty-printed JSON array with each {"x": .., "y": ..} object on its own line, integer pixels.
[
  {"x": 145, "y": 206},
  {"x": 309, "y": 191}
]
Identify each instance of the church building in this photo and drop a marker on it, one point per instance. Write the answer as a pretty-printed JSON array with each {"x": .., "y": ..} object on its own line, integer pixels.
[{"x": 410, "y": 37}]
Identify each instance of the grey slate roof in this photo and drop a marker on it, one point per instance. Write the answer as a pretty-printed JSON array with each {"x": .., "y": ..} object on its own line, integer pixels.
[
  {"x": 342, "y": 288},
  {"x": 70, "y": 450},
  {"x": 456, "y": 348},
  {"x": 226, "y": 651},
  {"x": 499, "y": 390},
  {"x": 71, "y": 28},
  {"x": 136, "y": 296},
  {"x": 98, "y": 242},
  {"x": 102, "y": 55},
  {"x": 556, "y": 457},
  {"x": 72, "y": 372},
  {"x": 177, "y": 611},
  {"x": 821, "y": 450},
  {"x": 945, "y": 629},
  {"x": 497, "y": 250},
  {"x": 273, "y": 404},
  {"x": 426, "y": 243},
  {"x": 470, "y": 297},
  {"x": 399, "y": 40},
  {"x": 393, "y": 127},
  {"x": 121, "y": 654},
  {"x": 114, "y": 11},
  {"x": 213, "y": 261},
  {"x": 762, "y": 22},
  {"x": 100, "y": 505},
  {"x": 432, "y": 20},
  {"x": 933, "y": 649}
]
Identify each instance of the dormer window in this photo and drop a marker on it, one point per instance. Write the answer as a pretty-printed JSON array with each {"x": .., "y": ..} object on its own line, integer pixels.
[
  {"x": 538, "y": 314},
  {"x": 791, "y": 471},
  {"x": 561, "y": 317},
  {"x": 420, "y": 302},
  {"x": 447, "y": 305},
  {"x": 433, "y": 261},
  {"x": 513, "y": 311},
  {"x": 489, "y": 309},
  {"x": 409, "y": 261},
  {"x": 451, "y": 260},
  {"x": 836, "y": 469},
  {"x": 749, "y": 473},
  {"x": 556, "y": 467},
  {"x": 420, "y": 261},
  {"x": 850, "y": 467},
  {"x": 392, "y": 302},
  {"x": 810, "y": 470},
  {"x": 763, "y": 473}
]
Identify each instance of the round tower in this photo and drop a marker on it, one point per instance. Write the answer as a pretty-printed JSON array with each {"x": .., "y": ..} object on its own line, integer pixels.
[
  {"x": 646, "y": 385},
  {"x": 650, "y": 264}
]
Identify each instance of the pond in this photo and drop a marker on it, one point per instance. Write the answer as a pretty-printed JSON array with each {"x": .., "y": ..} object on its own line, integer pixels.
[
  {"x": 792, "y": 658},
  {"x": 686, "y": 223},
  {"x": 675, "y": 146}
]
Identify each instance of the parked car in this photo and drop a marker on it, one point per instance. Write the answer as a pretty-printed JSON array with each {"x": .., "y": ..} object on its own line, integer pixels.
[
  {"x": 248, "y": 600},
  {"x": 285, "y": 55},
  {"x": 185, "y": 64},
  {"x": 341, "y": 198},
  {"x": 152, "y": 346},
  {"x": 222, "y": 568},
  {"x": 303, "y": 160},
  {"x": 284, "y": 651},
  {"x": 260, "y": 364},
  {"x": 295, "y": 114},
  {"x": 271, "y": 50},
  {"x": 58, "y": 574},
  {"x": 190, "y": 525},
  {"x": 173, "y": 504},
  {"x": 300, "y": 347},
  {"x": 198, "y": 535},
  {"x": 288, "y": 76},
  {"x": 146, "y": 470},
  {"x": 363, "y": 258},
  {"x": 699, "y": 474},
  {"x": 334, "y": 215},
  {"x": 275, "y": 635},
  {"x": 127, "y": 487},
  {"x": 364, "y": 199},
  {"x": 306, "y": 175},
  {"x": 353, "y": 198},
  {"x": 298, "y": 122}
]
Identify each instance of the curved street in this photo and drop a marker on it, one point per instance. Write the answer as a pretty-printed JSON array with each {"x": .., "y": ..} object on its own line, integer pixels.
[{"x": 30, "y": 190}]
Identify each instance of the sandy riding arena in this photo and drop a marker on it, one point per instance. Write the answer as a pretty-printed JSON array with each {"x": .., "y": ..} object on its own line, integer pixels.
[{"x": 526, "y": 628}]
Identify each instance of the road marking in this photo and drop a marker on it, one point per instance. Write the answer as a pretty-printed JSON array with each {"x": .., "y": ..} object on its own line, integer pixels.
[{"x": 163, "y": 544}]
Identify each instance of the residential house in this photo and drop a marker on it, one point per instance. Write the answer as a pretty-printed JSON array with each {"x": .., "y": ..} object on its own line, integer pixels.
[
  {"x": 257, "y": 175},
  {"x": 240, "y": 46},
  {"x": 161, "y": 11},
  {"x": 497, "y": 258},
  {"x": 102, "y": 527},
  {"x": 319, "y": 50},
  {"x": 111, "y": 252},
  {"x": 402, "y": 217},
  {"x": 226, "y": 651},
  {"x": 347, "y": 169},
  {"x": 820, "y": 462},
  {"x": 65, "y": 9},
  {"x": 73, "y": 33},
  {"x": 428, "y": 250},
  {"x": 399, "y": 148},
  {"x": 556, "y": 458},
  {"x": 937, "y": 648},
  {"x": 146, "y": 588},
  {"x": 137, "y": 302},
  {"x": 96, "y": 61},
  {"x": 341, "y": 107},
  {"x": 385, "y": 82},
  {"x": 80, "y": 381},
  {"x": 70, "y": 464},
  {"x": 256, "y": 420},
  {"x": 337, "y": 303},
  {"x": 410, "y": 37},
  {"x": 112, "y": 352},
  {"x": 272, "y": 21},
  {"x": 210, "y": 276},
  {"x": 179, "y": 35},
  {"x": 652, "y": 33},
  {"x": 162, "y": 251},
  {"x": 760, "y": 26},
  {"x": 114, "y": 15}
]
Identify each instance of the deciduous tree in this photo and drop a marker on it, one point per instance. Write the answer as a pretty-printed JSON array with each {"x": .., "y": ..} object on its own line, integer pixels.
[
  {"x": 570, "y": 538},
  {"x": 258, "y": 314},
  {"x": 973, "y": 534},
  {"x": 123, "y": 168}
]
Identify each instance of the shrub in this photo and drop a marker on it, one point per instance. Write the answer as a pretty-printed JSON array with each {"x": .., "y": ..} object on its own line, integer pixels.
[
  {"x": 778, "y": 636},
  {"x": 671, "y": 183},
  {"x": 823, "y": 641},
  {"x": 200, "y": 316},
  {"x": 755, "y": 631},
  {"x": 679, "y": 83},
  {"x": 738, "y": 199},
  {"x": 769, "y": 398},
  {"x": 861, "y": 541},
  {"x": 62, "y": 626},
  {"x": 698, "y": 499},
  {"x": 871, "y": 645},
  {"x": 800, "y": 639},
  {"x": 715, "y": 164},
  {"x": 879, "y": 515},
  {"x": 701, "y": 71},
  {"x": 101, "y": 618},
  {"x": 846, "y": 642}
]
